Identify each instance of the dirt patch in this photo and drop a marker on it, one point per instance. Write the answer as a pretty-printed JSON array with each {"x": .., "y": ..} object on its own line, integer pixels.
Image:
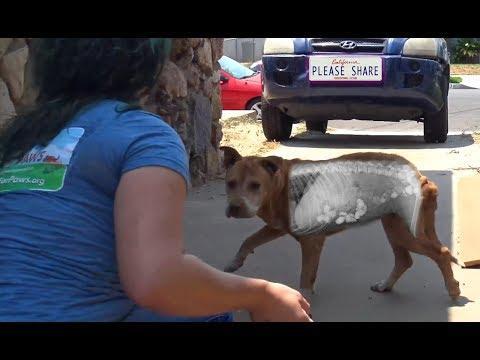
[
  {"x": 299, "y": 129},
  {"x": 465, "y": 69},
  {"x": 476, "y": 137},
  {"x": 246, "y": 135}
]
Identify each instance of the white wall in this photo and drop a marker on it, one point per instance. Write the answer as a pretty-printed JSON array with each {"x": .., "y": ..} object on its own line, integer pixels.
[{"x": 244, "y": 49}]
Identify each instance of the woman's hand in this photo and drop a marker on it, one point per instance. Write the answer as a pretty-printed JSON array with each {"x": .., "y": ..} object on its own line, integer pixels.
[
  {"x": 281, "y": 304},
  {"x": 155, "y": 272}
]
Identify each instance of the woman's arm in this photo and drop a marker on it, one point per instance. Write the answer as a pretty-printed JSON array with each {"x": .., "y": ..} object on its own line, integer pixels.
[{"x": 156, "y": 274}]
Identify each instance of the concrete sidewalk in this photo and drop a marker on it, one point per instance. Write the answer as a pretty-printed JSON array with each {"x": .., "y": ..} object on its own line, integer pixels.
[
  {"x": 472, "y": 81},
  {"x": 354, "y": 259},
  {"x": 238, "y": 114},
  {"x": 350, "y": 263}
]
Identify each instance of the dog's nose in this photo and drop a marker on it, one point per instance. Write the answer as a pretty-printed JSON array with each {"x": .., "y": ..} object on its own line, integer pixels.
[{"x": 232, "y": 210}]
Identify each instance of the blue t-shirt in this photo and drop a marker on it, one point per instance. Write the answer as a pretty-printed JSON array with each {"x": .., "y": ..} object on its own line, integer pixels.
[{"x": 57, "y": 241}]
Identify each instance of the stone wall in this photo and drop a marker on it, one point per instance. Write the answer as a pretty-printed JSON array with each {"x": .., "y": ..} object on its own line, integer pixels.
[
  {"x": 187, "y": 95},
  {"x": 13, "y": 57}
]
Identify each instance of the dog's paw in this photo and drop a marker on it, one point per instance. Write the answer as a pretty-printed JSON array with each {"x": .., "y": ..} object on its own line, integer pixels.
[
  {"x": 380, "y": 287},
  {"x": 233, "y": 266},
  {"x": 454, "y": 290},
  {"x": 307, "y": 293}
]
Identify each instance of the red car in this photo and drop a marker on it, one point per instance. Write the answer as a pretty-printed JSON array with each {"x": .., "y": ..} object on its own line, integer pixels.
[{"x": 241, "y": 87}]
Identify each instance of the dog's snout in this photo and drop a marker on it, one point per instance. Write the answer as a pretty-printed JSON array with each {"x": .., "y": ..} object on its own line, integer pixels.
[{"x": 232, "y": 210}]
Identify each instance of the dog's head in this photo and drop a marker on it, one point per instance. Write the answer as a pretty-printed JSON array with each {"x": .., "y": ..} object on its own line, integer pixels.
[{"x": 249, "y": 180}]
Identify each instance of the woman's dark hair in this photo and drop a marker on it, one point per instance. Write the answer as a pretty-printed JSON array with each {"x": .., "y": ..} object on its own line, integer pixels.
[{"x": 70, "y": 73}]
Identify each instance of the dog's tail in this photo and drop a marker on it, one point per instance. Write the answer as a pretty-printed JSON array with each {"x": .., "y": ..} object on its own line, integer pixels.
[{"x": 453, "y": 259}]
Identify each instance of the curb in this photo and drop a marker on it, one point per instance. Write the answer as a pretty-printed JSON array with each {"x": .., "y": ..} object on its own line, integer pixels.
[
  {"x": 242, "y": 116},
  {"x": 461, "y": 86}
]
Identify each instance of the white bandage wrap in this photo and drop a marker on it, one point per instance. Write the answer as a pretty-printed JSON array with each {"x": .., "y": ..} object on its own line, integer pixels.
[{"x": 327, "y": 195}]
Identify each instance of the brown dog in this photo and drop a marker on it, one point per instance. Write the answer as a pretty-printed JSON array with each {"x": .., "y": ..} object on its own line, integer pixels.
[{"x": 311, "y": 200}]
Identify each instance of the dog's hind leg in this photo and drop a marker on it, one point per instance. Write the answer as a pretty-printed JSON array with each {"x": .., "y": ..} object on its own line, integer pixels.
[
  {"x": 396, "y": 232},
  {"x": 428, "y": 242},
  {"x": 311, "y": 249},
  {"x": 442, "y": 257},
  {"x": 262, "y": 236}
]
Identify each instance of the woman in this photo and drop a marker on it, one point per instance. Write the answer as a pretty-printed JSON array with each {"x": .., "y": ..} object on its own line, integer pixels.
[{"x": 92, "y": 190}]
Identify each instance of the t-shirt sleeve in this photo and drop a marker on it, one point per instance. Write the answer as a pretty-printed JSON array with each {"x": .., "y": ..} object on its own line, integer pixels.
[{"x": 152, "y": 142}]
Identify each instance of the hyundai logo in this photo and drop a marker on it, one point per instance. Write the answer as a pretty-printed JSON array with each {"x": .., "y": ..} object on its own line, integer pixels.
[{"x": 348, "y": 45}]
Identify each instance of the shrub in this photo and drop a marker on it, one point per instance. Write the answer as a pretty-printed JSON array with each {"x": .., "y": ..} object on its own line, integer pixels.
[
  {"x": 455, "y": 79},
  {"x": 466, "y": 51}
]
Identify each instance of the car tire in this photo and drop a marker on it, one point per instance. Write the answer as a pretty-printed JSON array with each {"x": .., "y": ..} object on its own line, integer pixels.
[
  {"x": 317, "y": 126},
  {"x": 276, "y": 124},
  {"x": 435, "y": 125},
  {"x": 256, "y": 105}
]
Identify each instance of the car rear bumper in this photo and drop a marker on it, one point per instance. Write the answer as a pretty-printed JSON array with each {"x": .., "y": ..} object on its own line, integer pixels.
[{"x": 411, "y": 87}]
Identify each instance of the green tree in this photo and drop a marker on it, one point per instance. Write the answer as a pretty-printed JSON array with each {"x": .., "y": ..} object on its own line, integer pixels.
[{"x": 467, "y": 50}]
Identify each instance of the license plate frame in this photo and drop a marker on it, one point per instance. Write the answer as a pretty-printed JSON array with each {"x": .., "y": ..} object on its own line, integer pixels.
[{"x": 348, "y": 77}]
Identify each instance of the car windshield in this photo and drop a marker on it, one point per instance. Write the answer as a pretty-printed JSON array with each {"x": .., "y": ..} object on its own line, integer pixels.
[{"x": 234, "y": 68}]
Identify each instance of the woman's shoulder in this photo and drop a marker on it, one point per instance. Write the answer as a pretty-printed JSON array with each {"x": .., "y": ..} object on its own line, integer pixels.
[
  {"x": 144, "y": 121},
  {"x": 113, "y": 113},
  {"x": 141, "y": 115}
]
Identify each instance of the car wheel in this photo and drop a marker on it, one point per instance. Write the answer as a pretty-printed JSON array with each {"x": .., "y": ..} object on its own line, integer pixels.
[
  {"x": 276, "y": 125},
  {"x": 435, "y": 126},
  {"x": 256, "y": 105},
  {"x": 317, "y": 126}
]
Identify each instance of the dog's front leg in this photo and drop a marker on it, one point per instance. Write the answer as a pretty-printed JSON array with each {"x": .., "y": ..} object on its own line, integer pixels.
[
  {"x": 311, "y": 249},
  {"x": 261, "y": 237}
]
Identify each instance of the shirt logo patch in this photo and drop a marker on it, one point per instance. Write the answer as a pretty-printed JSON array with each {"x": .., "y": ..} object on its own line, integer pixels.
[{"x": 42, "y": 168}]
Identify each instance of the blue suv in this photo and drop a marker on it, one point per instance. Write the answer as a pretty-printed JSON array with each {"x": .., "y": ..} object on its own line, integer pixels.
[{"x": 321, "y": 79}]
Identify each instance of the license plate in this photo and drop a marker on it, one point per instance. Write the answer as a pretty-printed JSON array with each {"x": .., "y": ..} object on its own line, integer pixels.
[{"x": 345, "y": 69}]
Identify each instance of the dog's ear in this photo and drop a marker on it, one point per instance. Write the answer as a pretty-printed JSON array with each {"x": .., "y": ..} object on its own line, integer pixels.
[
  {"x": 272, "y": 164},
  {"x": 230, "y": 156}
]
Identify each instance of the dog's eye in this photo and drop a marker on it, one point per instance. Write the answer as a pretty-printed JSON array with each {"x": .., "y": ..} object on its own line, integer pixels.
[
  {"x": 254, "y": 186},
  {"x": 231, "y": 184}
]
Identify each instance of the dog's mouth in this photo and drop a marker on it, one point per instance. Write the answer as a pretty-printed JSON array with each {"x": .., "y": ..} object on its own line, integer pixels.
[{"x": 237, "y": 212}]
